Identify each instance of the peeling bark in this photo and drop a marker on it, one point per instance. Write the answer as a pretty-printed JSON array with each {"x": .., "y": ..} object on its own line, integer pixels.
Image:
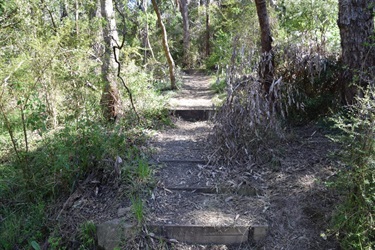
[
  {"x": 110, "y": 100},
  {"x": 186, "y": 35}
]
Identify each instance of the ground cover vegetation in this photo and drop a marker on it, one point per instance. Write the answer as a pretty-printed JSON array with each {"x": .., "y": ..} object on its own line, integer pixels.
[{"x": 81, "y": 82}]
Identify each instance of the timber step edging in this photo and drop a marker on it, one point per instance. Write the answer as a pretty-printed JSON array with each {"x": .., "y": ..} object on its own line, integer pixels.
[
  {"x": 110, "y": 233},
  {"x": 190, "y": 114},
  {"x": 199, "y": 234}
]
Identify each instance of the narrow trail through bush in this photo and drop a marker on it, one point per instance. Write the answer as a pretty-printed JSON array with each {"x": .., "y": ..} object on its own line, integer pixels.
[{"x": 287, "y": 193}]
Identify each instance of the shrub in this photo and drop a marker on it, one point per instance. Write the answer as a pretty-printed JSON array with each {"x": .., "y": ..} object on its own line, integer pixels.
[{"x": 354, "y": 219}]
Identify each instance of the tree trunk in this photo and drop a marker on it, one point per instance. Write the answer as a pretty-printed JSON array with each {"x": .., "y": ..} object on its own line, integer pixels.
[
  {"x": 186, "y": 35},
  {"x": 356, "y": 25},
  {"x": 76, "y": 17},
  {"x": 110, "y": 100},
  {"x": 146, "y": 40},
  {"x": 63, "y": 10},
  {"x": 208, "y": 49},
  {"x": 165, "y": 46},
  {"x": 267, "y": 61}
]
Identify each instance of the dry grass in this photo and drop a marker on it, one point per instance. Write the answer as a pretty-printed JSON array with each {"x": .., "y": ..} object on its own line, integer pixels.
[
  {"x": 247, "y": 124},
  {"x": 251, "y": 123}
]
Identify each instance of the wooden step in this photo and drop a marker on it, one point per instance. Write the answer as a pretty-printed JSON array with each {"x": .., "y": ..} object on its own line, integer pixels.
[
  {"x": 205, "y": 234},
  {"x": 242, "y": 190},
  {"x": 111, "y": 233},
  {"x": 193, "y": 114},
  {"x": 205, "y": 217}
]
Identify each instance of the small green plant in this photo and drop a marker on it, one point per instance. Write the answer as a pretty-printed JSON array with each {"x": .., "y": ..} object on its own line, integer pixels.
[
  {"x": 219, "y": 86},
  {"x": 137, "y": 209},
  {"x": 354, "y": 221},
  {"x": 22, "y": 225},
  {"x": 87, "y": 235},
  {"x": 55, "y": 243},
  {"x": 143, "y": 171},
  {"x": 35, "y": 245}
]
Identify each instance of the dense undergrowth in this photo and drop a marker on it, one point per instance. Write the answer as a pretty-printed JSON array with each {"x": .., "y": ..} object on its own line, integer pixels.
[
  {"x": 251, "y": 127},
  {"x": 56, "y": 162},
  {"x": 354, "y": 222}
]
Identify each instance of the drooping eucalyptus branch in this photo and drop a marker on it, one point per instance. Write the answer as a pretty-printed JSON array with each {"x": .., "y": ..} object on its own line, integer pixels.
[{"x": 119, "y": 47}]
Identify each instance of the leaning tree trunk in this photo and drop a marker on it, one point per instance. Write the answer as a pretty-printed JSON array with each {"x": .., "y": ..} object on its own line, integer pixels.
[
  {"x": 186, "y": 35},
  {"x": 356, "y": 25},
  {"x": 267, "y": 61},
  {"x": 165, "y": 46},
  {"x": 110, "y": 100}
]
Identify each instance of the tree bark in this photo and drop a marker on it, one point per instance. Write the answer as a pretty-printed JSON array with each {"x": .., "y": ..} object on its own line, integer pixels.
[
  {"x": 165, "y": 46},
  {"x": 208, "y": 49},
  {"x": 356, "y": 25},
  {"x": 186, "y": 36},
  {"x": 110, "y": 100},
  {"x": 267, "y": 61}
]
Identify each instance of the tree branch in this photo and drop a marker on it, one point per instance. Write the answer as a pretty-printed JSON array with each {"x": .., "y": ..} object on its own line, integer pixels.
[{"x": 119, "y": 64}]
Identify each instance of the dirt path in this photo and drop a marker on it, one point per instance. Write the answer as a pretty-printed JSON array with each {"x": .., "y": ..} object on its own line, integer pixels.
[
  {"x": 194, "y": 93},
  {"x": 191, "y": 193},
  {"x": 288, "y": 195}
]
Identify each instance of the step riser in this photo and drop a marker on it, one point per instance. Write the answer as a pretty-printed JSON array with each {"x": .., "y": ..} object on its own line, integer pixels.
[
  {"x": 110, "y": 233},
  {"x": 202, "y": 234},
  {"x": 193, "y": 114}
]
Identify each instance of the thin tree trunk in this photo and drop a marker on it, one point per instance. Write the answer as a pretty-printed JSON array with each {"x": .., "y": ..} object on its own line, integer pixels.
[
  {"x": 166, "y": 47},
  {"x": 356, "y": 25},
  {"x": 267, "y": 61},
  {"x": 76, "y": 18},
  {"x": 146, "y": 41},
  {"x": 208, "y": 49},
  {"x": 186, "y": 35},
  {"x": 110, "y": 100}
]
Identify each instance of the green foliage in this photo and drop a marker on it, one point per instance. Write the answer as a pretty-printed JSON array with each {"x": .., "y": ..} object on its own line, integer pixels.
[
  {"x": 311, "y": 22},
  {"x": 149, "y": 102},
  {"x": 232, "y": 42},
  {"x": 221, "y": 51},
  {"x": 314, "y": 87},
  {"x": 51, "y": 131},
  {"x": 354, "y": 219},
  {"x": 138, "y": 209},
  {"x": 87, "y": 235},
  {"x": 22, "y": 223},
  {"x": 58, "y": 161},
  {"x": 55, "y": 243},
  {"x": 137, "y": 174},
  {"x": 35, "y": 245},
  {"x": 219, "y": 86}
]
